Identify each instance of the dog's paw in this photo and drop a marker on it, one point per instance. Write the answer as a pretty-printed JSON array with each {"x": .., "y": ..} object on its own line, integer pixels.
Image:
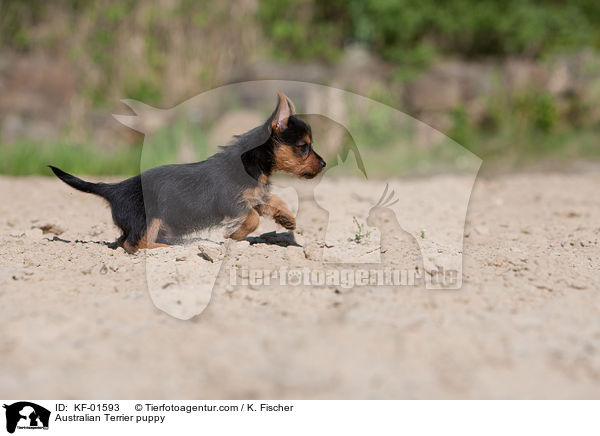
[{"x": 286, "y": 221}]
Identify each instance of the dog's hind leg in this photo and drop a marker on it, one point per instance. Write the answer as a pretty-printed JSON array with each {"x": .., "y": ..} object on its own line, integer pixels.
[
  {"x": 276, "y": 208},
  {"x": 152, "y": 234},
  {"x": 148, "y": 239},
  {"x": 249, "y": 224},
  {"x": 119, "y": 242}
]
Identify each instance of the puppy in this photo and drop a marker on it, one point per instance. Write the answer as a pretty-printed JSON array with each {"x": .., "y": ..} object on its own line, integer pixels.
[{"x": 231, "y": 188}]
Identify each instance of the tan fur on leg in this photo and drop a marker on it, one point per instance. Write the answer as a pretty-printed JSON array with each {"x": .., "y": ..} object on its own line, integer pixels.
[
  {"x": 276, "y": 208},
  {"x": 148, "y": 240},
  {"x": 248, "y": 226}
]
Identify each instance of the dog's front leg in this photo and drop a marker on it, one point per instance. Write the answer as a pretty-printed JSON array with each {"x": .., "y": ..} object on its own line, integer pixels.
[{"x": 278, "y": 210}]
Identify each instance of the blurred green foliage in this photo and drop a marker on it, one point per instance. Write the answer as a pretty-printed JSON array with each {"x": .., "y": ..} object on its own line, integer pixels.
[
  {"x": 164, "y": 146},
  {"x": 411, "y": 32},
  {"x": 26, "y": 157},
  {"x": 407, "y": 35},
  {"x": 388, "y": 148}
]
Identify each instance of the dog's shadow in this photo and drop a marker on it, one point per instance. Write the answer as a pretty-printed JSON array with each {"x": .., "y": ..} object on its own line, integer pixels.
[
  {"x": 79, "y": 241},
  {"x": 284, "y": 239}
]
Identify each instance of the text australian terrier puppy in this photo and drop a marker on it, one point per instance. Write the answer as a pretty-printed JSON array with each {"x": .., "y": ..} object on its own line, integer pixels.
[{"x": 230, "y": 188}]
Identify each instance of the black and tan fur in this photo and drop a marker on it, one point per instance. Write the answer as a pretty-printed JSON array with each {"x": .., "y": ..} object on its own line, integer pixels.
[{"x": 230, "y": 188}]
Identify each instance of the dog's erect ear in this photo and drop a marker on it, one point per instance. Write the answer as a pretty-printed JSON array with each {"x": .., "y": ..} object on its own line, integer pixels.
[
  {"x": 292, "y": 108},
  {"x": 285, "y": 108}
]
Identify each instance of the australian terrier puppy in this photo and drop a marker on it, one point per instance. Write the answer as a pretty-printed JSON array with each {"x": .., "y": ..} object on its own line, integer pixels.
[{"x": 231, "y": 188}]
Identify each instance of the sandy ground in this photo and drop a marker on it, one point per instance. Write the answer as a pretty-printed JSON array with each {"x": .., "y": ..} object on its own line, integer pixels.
[{"x": 78, "y": 319}]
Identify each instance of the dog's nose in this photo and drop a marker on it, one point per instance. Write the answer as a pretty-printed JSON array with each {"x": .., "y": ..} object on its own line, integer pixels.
[{"x": 323, "y": 163}]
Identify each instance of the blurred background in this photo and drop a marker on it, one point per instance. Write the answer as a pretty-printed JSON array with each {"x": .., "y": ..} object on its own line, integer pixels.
[{"x": 515, "y": 82}]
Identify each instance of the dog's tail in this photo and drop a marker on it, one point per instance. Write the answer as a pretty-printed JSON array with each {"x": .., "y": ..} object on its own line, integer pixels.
[{"x": 101, "y": 189}]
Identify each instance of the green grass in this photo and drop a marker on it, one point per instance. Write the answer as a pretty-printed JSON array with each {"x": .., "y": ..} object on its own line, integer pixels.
[
  {"x": 26, "y": 157},
  {"x": 522, "y": 147},
  {"x": 360, "y": 235},
  {"x": 387, "y": 155}
]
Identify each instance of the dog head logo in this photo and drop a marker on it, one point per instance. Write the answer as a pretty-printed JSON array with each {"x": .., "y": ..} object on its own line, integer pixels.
[
  {"x": 26, "y": 415},
  {"x": 416, "y": 224}
]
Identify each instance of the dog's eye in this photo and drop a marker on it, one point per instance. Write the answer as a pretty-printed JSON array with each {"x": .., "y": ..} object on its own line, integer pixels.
[{"x": 304, "y": 148}]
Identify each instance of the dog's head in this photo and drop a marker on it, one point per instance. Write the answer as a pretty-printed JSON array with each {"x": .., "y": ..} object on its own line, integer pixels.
[{"x": 293, "y": 145}]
